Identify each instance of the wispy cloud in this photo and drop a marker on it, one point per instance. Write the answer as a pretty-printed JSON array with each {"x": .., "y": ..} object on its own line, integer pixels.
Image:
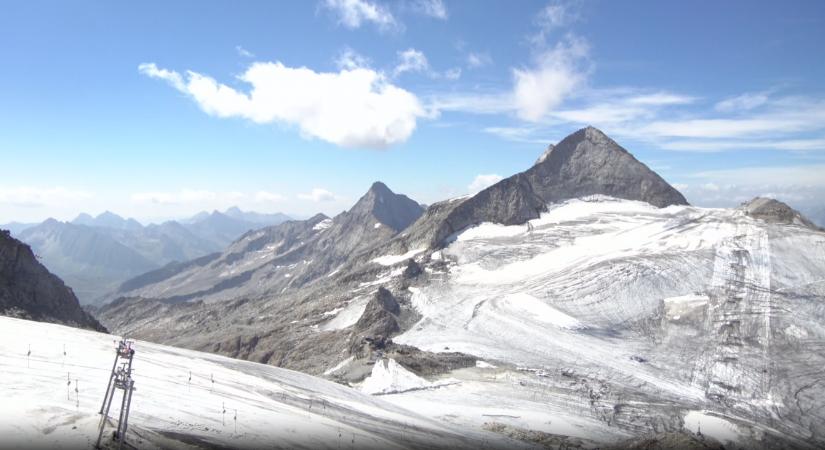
[
  {"x": 476, "y": 60},
  {"x": 349, "y": 59},
  {"x": 268, "y": 197},
  {"x": 411, "y": 60},
  {"x": 557, "y": 72},
  {"x": 185, "y": 196},
  {"x": 432, "y": 8},
  {"x": 354, "y": 13},
  {"x": 743, "y": 102},
  {"x": 355, "y": 107},
  {"x": 244, "y": 52},
  {"x": 802, "y": 187},
  {"x": 555, "y": 15},
  {"x": 29, "y": 196}
]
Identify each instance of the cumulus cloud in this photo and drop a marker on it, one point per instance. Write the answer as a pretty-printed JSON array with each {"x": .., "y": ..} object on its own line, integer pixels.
[
  {"x": 556, "y": 74},
  {"x": 355, "y": 107},
  {"x": 433, "y": 8},
  {"x": 480, "y": 182},
  {"x": 318, "y": 195},
  {"x": 354, "y": 13},
  {"x": 38, "y": 196}
]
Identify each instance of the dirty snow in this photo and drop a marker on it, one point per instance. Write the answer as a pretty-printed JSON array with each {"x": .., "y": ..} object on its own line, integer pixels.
[
  {"x": 389, "y": 260},
  {"x": 272, "y": 405}
]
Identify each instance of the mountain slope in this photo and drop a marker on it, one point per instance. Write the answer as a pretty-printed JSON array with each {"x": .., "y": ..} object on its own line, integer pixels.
[
  {"x": 89, "y": 260},
  {"x": 587, "y": 320},
  {"x": 28, "y": 290},
  {"x": 584, "y": 163},
  {"x": 186, "y": 399},
  {"x": 287, "y": 256}
]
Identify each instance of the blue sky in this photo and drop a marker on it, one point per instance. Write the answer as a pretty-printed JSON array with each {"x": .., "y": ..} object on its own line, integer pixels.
[{"x": 161, "y": 109}]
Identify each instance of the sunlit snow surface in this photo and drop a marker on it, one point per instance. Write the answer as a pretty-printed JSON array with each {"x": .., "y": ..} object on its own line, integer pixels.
[
  {"x": 630, "y": 311},
  {"x": 274, "y": 407}
]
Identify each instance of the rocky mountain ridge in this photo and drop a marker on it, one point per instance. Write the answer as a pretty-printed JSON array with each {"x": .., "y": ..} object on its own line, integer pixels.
[{"x": 29, "y": 291}]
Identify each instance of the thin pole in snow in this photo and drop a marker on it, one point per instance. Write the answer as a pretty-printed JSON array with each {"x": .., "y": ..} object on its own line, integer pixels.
[
  {"x": 189, "y": 383},
  {"x": 223, "y": 414},
  {"x": 64, "y": 356},
  {"x": 236, "y": 421},
  {"x": 28, "y": 355},
  {"x": 77, "y": 394},
  {"x": 68, "y": 384},
  {"x": 212, "y": 379}
]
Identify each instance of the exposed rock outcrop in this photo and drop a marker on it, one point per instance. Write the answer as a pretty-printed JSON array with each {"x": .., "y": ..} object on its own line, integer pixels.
[{"x": 29, "y": 291}]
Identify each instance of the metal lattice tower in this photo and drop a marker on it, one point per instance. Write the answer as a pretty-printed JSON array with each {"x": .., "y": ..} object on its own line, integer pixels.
[{"x": 120, "y": 379}]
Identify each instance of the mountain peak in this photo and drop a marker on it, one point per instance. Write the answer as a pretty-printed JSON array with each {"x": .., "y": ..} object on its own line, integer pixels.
[
  {"x": 378, "y": 186},
  {"x": 394, "y": 210},
  {"x": 588, "y": 162},
  {"x": 774, "y": 211}
]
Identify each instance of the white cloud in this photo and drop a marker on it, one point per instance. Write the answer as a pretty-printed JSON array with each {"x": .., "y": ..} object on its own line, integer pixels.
[
  {"x": 318, "y": 195},
  {"x": 700, "y": 145},
  {"x": 557, "y": 73},
  {"x": 352, "y": 108},
  {"x": 744, "y": 102},
  {"x": 802, "y": 187},
  {"x": 38, "y": 196},
  {"x": 453, "y": 74},
  {"x": 432, "y": 8},
  {"x": 354, "y": 13},
  {"x": 172, "y": 77},
  {"x": 480, "y": 182},
  {"x": 476, "y": 60},
  {"x": 411, "y": 60},
  {"x": 349, "y": 59},
  {"x": 555, "y": 14},
  {"x": 602, "y": 113},
  {"x": 244, "y": 52},
  {"x": 185, "y": 196},
  {"x": 808, "y": 175},
  {"x": 660, "y": 99},
  {"x": 526, "y": 134},
  {"x": 268, "y": 197}
]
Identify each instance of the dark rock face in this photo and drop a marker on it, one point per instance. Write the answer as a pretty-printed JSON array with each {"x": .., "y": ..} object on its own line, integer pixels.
[
  {"x": 774, "y": 211},
  {"x": 29, "y": 291},
  {"x": 585, "y": 163},
  {"x": 379, "y": 317},
  {"x": 588, "y": 162}
]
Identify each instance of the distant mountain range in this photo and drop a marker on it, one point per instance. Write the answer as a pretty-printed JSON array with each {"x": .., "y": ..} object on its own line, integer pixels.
[
  {"x": 94, "y": 255},
  {"x": 285, "y": 256}
]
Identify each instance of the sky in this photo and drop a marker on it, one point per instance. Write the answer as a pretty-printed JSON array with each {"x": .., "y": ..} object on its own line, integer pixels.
[{"x": 159, "y": 109}]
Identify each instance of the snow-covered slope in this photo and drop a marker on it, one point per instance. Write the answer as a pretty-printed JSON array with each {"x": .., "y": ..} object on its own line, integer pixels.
[
  {"x": 51, "y": 400},
  {"x": 617, "y": 307}
]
